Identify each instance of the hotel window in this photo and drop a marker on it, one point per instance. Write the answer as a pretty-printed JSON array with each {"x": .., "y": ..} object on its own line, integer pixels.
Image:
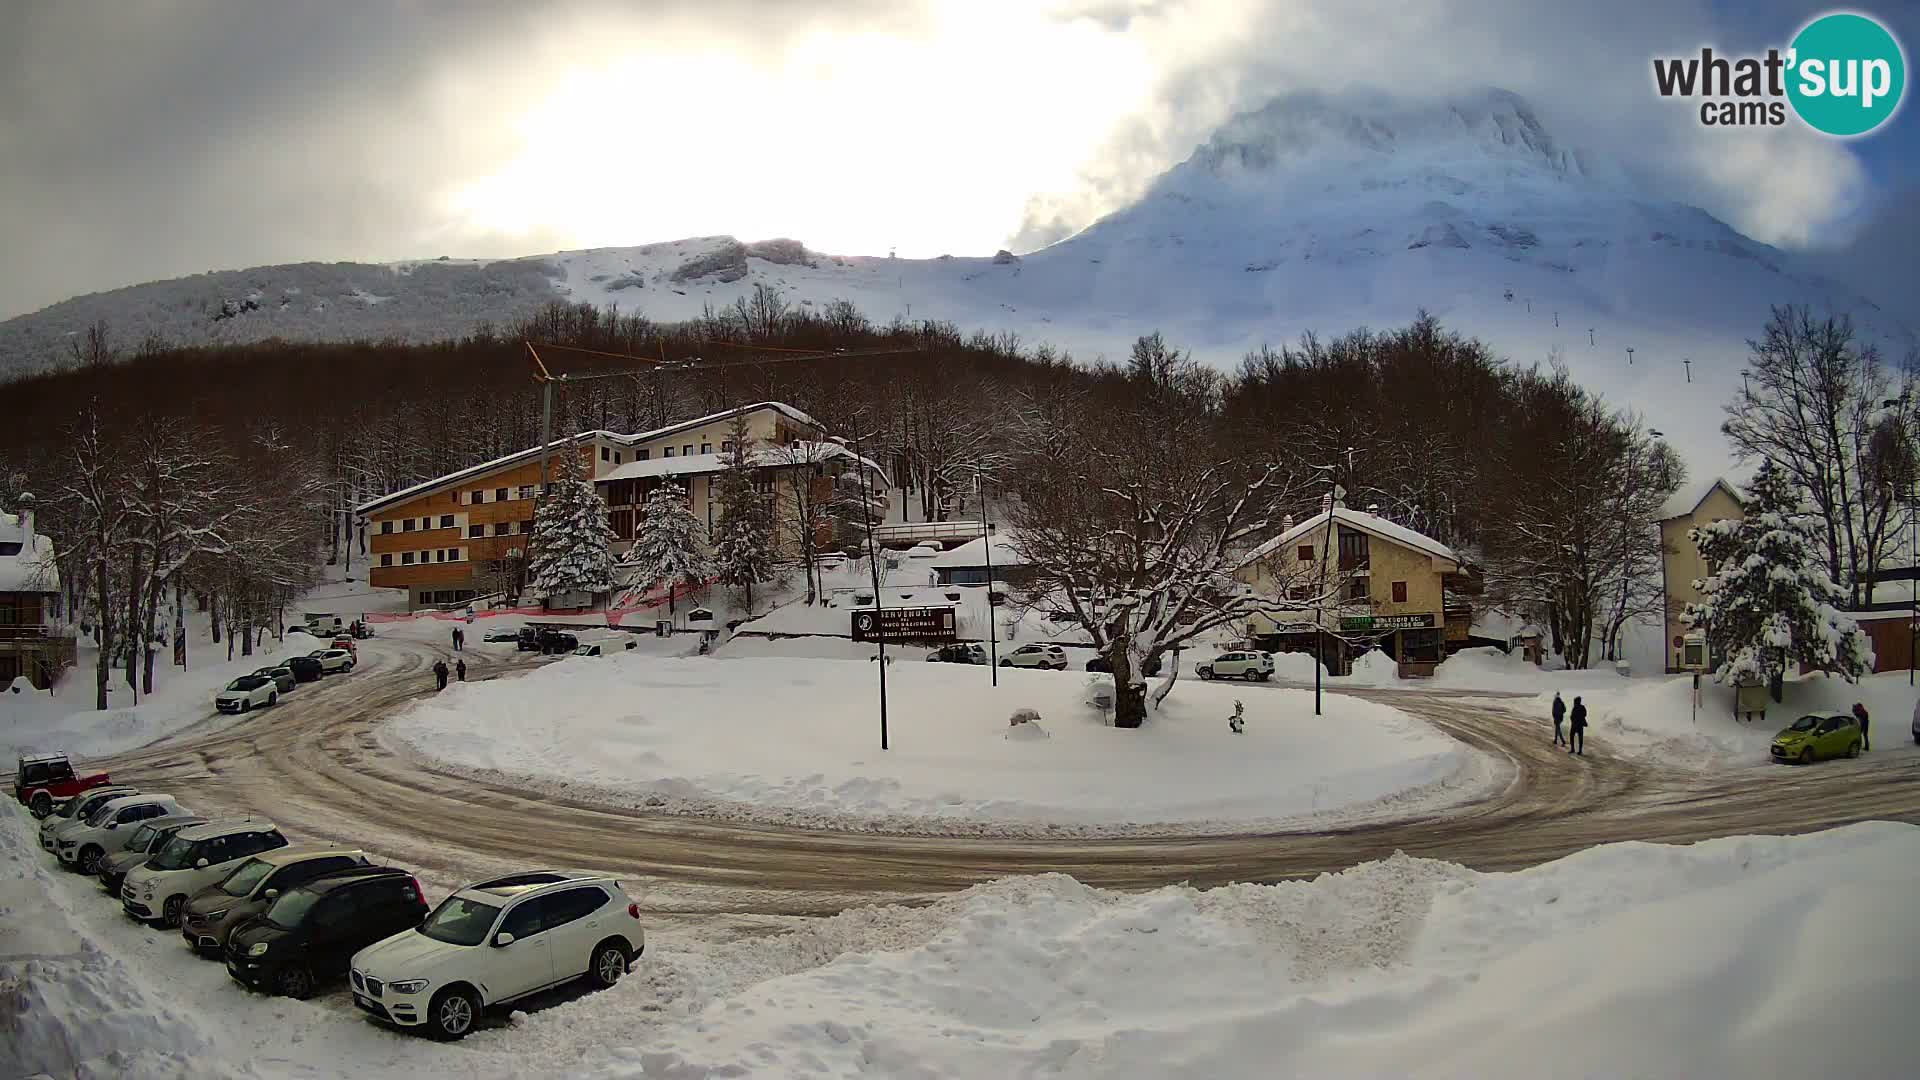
[
  {"x": 386, "y": 526},
  {"x": 526, "y": 526},
  {"x": 438, "y": 556},
  {"x": 499, "y": 494},
  {"x": 406, "y": 558},
  {"x": 502, "y": 528},
  {"x": 476, "y": 530},
  {"x": 526, "y": 491},
  {"x": 606, "y": 454},
  {"x": 446, "y": 521},
  {"x": 1399, "y": 592},
  {"x": 1357, "y": 589},
  {"x": 386, "y": 560},
  {"x": 640, "y": 455},
  {"x": 1306, "y": 552},
  {"x": 479, "y": 496},
  {"x": 406, "y": 525},
  {"x": 616, "y": 457},
  {"x": 668, "y": 452},
  {"x": 706, "y": 448},
  {"x": 1353, "y": 550},
  {"x": 687, "y": 450}
]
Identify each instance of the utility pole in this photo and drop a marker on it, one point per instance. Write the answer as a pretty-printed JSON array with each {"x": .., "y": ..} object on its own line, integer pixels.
[
  {"x": 986, "y": 547},
  {"x": 873, "y": 564},
  {"x": 1629, "y": 356},
  {"x": 1688, "y": 364}
]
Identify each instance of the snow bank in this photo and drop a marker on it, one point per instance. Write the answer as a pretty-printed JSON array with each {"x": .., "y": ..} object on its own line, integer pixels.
[
  {"x": 797, "y": 741},
  {"x": 1739, "y": 957}
]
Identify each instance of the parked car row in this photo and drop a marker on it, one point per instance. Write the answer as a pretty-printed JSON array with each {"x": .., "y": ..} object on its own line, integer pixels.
[
  {"x": 262, "y": 689},
  {"x": 292, "y": 919}
]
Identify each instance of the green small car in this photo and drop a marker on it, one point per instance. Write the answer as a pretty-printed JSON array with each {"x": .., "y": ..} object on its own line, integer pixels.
[{"x": 1812, "y": 738}]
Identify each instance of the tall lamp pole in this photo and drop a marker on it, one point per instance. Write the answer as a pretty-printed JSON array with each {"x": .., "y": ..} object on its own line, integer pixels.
[
  {"x": 873, "y": 563},
  {"x": 986, "y": 545}
]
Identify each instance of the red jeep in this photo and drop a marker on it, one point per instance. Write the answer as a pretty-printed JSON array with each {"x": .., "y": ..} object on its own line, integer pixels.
[{"x": 46, "y": 780}]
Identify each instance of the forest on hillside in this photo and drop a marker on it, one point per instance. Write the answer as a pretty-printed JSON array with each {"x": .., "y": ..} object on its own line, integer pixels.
[{"x": 1548, "y": 489}]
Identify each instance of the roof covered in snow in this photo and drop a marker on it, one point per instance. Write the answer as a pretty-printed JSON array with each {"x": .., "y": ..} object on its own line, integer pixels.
[
  {"x": 1372, "y": 524},
  {"x": 485, "y": 467},
  {"x": 31, "y": 568},
  {"x": 1688, "y": 499},
  {"x": 763, "y": 458},
  {"x": 974, "y": 553}
]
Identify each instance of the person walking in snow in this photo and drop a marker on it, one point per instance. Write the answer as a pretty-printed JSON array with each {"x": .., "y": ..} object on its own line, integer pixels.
[
  {"x": 1559, "y": 717},
  {"x": 1860, "y": 714},
  {"x": 1579, "y": 743},
  {"x": 460, "y": 669},
  {"x": 440, "y": 674}
]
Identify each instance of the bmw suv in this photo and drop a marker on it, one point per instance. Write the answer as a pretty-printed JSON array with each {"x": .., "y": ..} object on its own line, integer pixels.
[{"x": 495, "y": 941}]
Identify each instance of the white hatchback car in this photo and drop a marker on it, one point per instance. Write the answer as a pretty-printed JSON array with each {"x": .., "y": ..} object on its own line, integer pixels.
[
  {"x": 108, "y": 828},
  {"x": 495, "y": 941},
  {"x": 195, "y": 858},
  {"x": 1036, "y": 656},
  {"x": 247, "y": 692},
  {"x": 1249, "y": 664}
]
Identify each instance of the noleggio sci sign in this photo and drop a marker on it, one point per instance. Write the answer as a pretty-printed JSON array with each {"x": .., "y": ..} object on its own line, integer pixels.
[{"x": 1843, "y": 75}]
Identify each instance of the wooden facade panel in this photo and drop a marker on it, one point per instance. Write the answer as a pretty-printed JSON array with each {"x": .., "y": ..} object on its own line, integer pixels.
[
  {"x": 417, "y": 540},
  {"x": 399, "y": 577}
]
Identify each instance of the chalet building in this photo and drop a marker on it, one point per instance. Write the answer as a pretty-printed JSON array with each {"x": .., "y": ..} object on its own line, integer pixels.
[
  {"x": 30, "y": 644},
  {"x": 1395, "y": 589},
  {"x": 1681, "y": 565},
  {"x": 467, "y": 534}
]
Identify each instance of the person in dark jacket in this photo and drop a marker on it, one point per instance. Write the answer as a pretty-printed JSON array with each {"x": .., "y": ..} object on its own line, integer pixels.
[
  {"x": 440, "y": 673},
  {"x": 1559, "y": 717},
  {"x": 1860, "y": 714},
  {"x": 1579, "y": 743},
  {"x": 460, "y": 669}
]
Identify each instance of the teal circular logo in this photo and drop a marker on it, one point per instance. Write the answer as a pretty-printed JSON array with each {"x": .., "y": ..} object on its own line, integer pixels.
[{"x": 1847, "y": 74}]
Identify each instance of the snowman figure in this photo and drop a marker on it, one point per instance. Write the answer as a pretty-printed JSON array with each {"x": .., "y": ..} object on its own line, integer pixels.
[{"x": 1237, "y": 723}]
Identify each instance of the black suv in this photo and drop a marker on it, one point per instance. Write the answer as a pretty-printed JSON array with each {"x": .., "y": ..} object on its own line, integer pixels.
[
  {"x": 304, "y": 668},
  {"x": 311, "y": 933}
]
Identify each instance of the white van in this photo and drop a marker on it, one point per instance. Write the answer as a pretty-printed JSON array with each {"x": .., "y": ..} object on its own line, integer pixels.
[{"x": 195, "y": 858}]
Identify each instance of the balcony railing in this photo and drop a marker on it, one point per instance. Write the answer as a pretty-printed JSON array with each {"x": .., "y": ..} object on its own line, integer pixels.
[{"x": 28, "y": 632}]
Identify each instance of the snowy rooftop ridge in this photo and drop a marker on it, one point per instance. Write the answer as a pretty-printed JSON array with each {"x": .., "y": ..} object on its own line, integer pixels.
[
  {"x": 31, "y": 567},
  {"x": 1688, "y": 499},
  {"x": 1006, "y": 552},
  {"x": 1363, "y": 521},
  {"x": 764, "y": 457}
]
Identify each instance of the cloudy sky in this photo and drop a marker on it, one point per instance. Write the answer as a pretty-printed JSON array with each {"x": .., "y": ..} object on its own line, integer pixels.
[{"x": 141, "y": 140}]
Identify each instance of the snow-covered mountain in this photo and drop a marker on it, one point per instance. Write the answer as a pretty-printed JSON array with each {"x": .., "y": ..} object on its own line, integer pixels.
[{"x": 1308, "y": 214}]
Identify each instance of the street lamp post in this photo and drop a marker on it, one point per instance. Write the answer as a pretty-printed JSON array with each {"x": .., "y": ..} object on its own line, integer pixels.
[
  {"x": 986, "y": 547},
  {"x": 873, "y": 564}
]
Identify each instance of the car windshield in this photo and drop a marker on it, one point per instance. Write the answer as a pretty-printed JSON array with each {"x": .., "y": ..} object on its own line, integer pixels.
[
  {"x": 459, "y": 921},
  {"x": 99, "y": 813},
  {"x": 242, "y": 881},
  {"x": 287, "y": 911},
  {"x": 177, "y": 855},
  {"x": 141, "y": 838},
  {"x": 1805, "y": 723},
  {"x": 246, "y": 682}
]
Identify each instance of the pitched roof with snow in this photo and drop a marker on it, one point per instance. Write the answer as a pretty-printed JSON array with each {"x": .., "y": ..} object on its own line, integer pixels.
[
  {"x": 762, "y": 458},
  {"x": 1688, "y": 499},
  {"x": 518, "y": 456},
  {"x": 1364, "y": 522},
  {"x": 974, "y": 553},
  {"x": 31, "y": 568}
]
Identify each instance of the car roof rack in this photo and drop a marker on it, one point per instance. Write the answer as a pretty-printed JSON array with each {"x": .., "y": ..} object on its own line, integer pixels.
[
  {"x": 531, "y": 877},
  {"x": 51, "y": 755}
]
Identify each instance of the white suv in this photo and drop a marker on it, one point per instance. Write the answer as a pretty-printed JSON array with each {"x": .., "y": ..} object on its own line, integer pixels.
[
  {"x": 108, "y": 828},
  {"x": 1249, "y": 664},
  {"x": 195, "y": 858},
  {"x": 1036, "y": 656},
  {"x": 79, "y": 808},
  {"x": 495, "y": 941}
]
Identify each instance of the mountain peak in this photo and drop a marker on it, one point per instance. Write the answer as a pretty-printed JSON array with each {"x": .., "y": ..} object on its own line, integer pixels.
[{"x": 1314, "y": 131}]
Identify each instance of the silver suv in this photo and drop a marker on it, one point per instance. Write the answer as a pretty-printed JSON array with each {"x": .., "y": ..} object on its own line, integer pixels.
[{"x": 495, "y": 941}]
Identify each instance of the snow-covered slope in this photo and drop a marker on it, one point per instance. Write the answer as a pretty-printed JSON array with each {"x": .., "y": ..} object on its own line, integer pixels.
[{"x": 1307, "y": 214}]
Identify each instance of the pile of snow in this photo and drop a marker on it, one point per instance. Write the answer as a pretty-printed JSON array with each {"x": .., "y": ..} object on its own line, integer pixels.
[
  {"x": 1747, "y": 956},
  {"x": 797, "y": 741}
]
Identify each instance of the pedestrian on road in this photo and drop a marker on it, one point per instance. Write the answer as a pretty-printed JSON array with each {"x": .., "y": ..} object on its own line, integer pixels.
[
  {"x": 1559, "y": 717},
  {"x": 1579, "y": 744},
  {"x": 456, "y": 639},
  {"x": 460, "y": 669},
  {"x": 440, "y": 674},
  {"x": 1860, "y": 714}
]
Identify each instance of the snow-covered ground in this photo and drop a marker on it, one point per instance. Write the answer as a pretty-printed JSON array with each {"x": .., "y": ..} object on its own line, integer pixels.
[
  {"x": 1746, "y": 956},
  {"x": 796, "y": 740}
]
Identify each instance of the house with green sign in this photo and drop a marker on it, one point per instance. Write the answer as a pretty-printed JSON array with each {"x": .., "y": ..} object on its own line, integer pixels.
[{"x": 1345, "y": 581}]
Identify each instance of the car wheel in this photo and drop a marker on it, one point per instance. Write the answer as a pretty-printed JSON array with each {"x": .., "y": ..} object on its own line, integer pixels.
[
  {"x": 245, "y": 705},
  {"x": 348, "y": 666},
  {"x": 170, "y": 912},
  {"x": 42, "y": 803},
  {"x": 1251, "y": 676},
  {"x": 1806, "y": 756},
  {"x": 609, "y": 963},
  {"x": 1853, "y": 750},
  {"x": 452, "y": 1013},
  {"x": 1206, "y": 674},
  {"x": 295, "y": 981},
  {"x": 90, "y": 860},
  {"x": 1006, "y": 663},
  {"x": 273, "y": 699}
]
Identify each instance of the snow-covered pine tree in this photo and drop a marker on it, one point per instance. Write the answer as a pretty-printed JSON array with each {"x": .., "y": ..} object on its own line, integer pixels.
[
  {"x": 743, "y": 538},
  {"x": 1769, "y": 601},
  {"x": 572, "y": 545},
  {"x": 668, "y": 549}
]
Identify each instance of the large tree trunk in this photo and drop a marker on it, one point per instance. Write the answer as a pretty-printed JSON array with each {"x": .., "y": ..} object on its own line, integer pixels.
[
  {"x": 1129, "y": 699},
  {"x": 103, "y": 581},
  {"x": 155, "y": 586},
  {"x": 136, "y": 635}
]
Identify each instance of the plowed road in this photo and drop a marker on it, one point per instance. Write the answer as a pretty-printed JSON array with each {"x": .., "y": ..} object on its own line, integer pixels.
[{"x": 313, "y": 765}]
